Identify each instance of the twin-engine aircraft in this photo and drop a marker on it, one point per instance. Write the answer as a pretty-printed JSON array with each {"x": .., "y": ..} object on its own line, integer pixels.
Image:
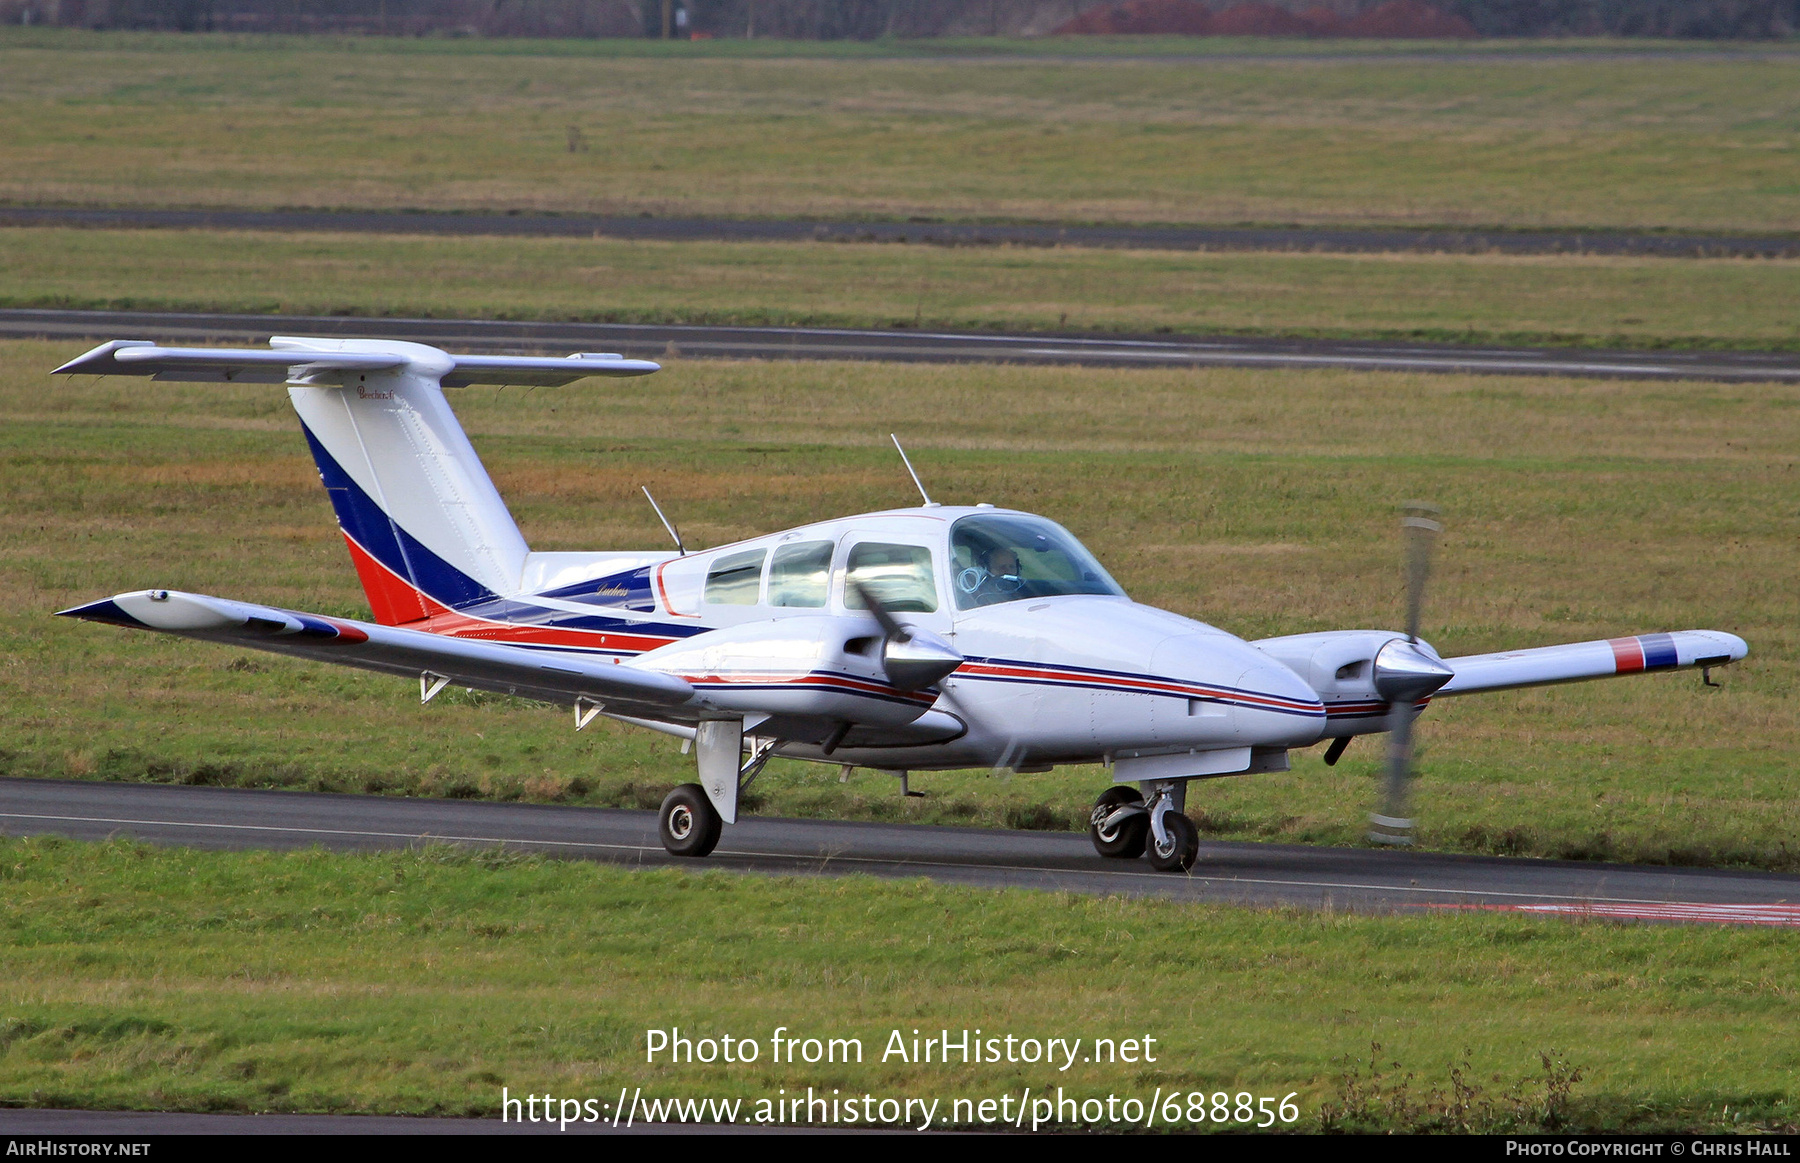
[{"x": 921, "y": 638}]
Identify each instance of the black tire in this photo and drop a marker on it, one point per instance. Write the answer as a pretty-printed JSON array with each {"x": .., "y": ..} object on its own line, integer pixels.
[
  {"x": 690, "y": 825},
  {"x": 1183, "y": 848},
  {"x": 1125, "y": 841}
]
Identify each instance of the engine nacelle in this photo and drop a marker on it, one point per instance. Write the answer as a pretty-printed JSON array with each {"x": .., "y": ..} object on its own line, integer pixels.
[
  {"x": 1341, "y": 666},
  {"x": 817, "y": 667}
]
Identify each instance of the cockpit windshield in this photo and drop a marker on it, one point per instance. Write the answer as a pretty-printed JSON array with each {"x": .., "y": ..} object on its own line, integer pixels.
[{"x": 1006, "y": 557}]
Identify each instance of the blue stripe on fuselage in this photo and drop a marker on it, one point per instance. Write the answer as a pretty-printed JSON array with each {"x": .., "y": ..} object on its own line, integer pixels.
[
  {"x": 1075, "y": 676},
  {"x": 629, "y": 590}
]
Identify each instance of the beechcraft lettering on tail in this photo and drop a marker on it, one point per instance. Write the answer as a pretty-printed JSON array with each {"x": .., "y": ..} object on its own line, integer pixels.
[{"x": 931, "y": 637}]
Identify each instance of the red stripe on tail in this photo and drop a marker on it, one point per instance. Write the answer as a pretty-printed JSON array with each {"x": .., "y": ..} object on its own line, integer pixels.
[{"x": 392, "y": 599}]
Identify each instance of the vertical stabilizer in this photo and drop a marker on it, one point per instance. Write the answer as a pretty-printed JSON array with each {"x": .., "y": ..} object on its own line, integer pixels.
[{"x": 427, "y": 529}]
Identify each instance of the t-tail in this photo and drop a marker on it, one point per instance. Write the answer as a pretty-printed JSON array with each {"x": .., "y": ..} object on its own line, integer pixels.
[{"x": 427, "y": 530}]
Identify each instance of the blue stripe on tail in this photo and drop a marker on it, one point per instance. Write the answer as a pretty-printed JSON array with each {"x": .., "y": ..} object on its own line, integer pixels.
[{"x": 370, "y": 526}]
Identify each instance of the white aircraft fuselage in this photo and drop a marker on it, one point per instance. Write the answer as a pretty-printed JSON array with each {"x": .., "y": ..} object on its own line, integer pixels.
[{"x": 1058, "y": 678}]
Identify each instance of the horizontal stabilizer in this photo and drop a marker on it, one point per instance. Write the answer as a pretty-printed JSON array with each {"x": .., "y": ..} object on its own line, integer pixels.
[
  {"x": 140, "y": 357},
  {"x": 1583, "y": 660},
  {"x": 541, "y": 372},
  {"x": 290, "y": 358},
  {"x": 554, "y": 677}
]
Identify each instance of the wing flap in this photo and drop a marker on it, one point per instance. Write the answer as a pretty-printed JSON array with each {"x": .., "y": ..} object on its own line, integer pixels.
[
  {"x": 1576, "y": 661},
  {"x": 557, "y": 677}
]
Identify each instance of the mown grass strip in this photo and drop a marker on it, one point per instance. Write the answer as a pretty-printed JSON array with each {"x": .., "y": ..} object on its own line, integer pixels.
[
  {"x": 1649, "y": 141},
  {"x": 1486, "y": 299}
]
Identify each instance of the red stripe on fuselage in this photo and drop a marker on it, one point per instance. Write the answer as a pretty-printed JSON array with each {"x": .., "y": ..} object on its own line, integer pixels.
[
  {"x": 839, "y": 682},
  {"x": 663, "y": 590},
  {"x": 389, "y": 593},
  {"x": 978, "y": 670},
  {"x": 457, "y": 625},
  {"x": 1628, "y": 655}
]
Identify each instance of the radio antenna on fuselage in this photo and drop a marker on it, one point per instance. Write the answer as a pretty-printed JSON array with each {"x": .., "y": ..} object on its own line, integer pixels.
[
  {"x": 905, "y": 460},
  {"x": 682, "y": 549}
]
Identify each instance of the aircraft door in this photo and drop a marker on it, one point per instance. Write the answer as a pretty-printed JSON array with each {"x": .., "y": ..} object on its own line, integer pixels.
[{"x": 901, "y": 573}]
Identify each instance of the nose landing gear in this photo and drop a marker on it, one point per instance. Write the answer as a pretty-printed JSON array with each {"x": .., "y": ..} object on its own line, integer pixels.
[
  {"x": 1174, "y": 842},
  {"x": 1119, "y": 823},
  {"x": 1123, "y": 827}
]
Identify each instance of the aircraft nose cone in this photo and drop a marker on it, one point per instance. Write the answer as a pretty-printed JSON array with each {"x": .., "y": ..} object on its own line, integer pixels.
[
  {"x": 1404, "y": 673},
  {"x": 918, "y": 660}
]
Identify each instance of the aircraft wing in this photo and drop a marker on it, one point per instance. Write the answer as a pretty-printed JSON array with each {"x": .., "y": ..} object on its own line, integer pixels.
[
  {"x": 545, "y": 676},
  {"x": 1575, "y": 661},
  {"x": 300, "y": 359}
]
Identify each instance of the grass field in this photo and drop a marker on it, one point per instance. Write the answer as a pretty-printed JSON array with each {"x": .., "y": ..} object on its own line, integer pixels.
[
  {"x": 424, "y": 982},
  {"x": 1533, "y": 138},
  {"x": 1465, "y": 298},
  {"x": 1260, "y": 501}
]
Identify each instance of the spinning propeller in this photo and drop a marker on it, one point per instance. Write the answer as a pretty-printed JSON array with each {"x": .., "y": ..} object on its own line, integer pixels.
[
  {"x": 914, "y": 659},
  {"x": 1404, "y": 674}
]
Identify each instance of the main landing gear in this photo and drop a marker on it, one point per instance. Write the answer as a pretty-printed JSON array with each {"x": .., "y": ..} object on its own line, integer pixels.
[
  {"x": 694, "y": 814},
  {"x": 690, "y": 825},
  {"x": 1123, "y": 827}
]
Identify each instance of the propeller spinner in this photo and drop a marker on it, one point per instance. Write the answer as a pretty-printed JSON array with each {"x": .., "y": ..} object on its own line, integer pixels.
[
  {"x": 1404, "y": 674},
  {"x": 912, "y": 658}
]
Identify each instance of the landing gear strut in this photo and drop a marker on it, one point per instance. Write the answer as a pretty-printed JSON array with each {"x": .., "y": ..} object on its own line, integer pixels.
[{"x": 1174, "y": 842}]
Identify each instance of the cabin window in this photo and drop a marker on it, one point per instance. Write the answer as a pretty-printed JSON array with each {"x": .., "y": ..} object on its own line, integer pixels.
[
  {"x": 800, "y": 575},
  {"x": 899, "y": 576},
  {"x": 735, "y": 579}
]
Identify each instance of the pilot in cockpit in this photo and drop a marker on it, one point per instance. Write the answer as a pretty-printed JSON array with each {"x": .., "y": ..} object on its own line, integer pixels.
[
  {"x": 995, "y": 579},
  {"x": 1004, "y": 557}
]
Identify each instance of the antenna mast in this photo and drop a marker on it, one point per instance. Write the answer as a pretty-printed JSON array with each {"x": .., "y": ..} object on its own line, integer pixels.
[
  {"x": 682, "y": 549},
  {"x": 909, "y": 469}
]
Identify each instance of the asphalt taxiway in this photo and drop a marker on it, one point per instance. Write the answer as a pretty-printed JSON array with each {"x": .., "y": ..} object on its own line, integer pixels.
[
  {"x": 657, "y": 341},
  {"x": 1263, "y": 875}
]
